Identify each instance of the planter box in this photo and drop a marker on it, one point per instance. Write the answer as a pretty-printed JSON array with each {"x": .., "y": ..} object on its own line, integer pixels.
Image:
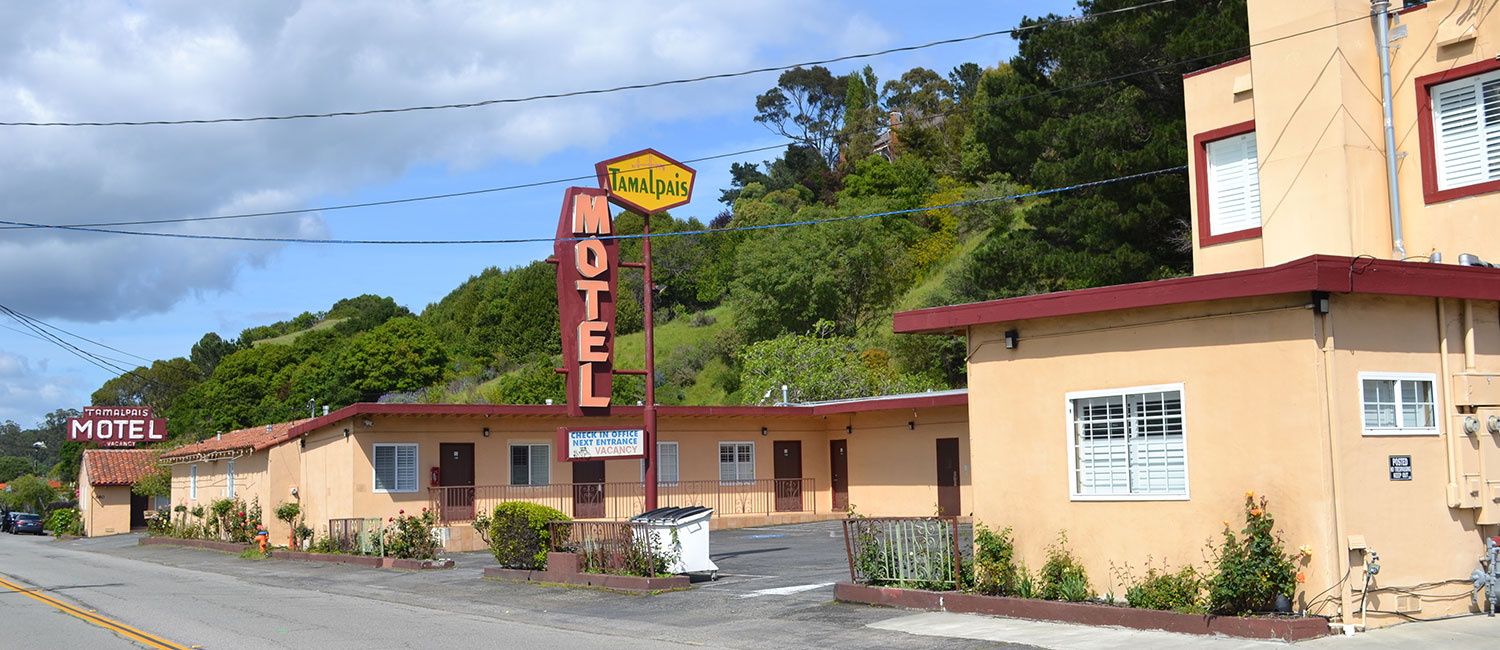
[
  {"x": 1281, "y": 629},
  {"x": 563, "y": 568},
  {"x": 335, "y": 558}
]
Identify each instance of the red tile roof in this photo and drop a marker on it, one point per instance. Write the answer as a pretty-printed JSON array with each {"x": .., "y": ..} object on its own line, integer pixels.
[
  {"x": 250, "y": 439},
  {"x": 1325, "y": 273},
  {"x": 118, "y": 466}
]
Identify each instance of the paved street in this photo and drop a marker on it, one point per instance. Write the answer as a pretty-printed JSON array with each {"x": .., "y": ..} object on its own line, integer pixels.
[{"x": 774, "y": 591}]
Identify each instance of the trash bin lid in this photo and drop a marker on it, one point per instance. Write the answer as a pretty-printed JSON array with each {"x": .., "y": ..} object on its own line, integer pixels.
[{"x": 671, "y": 514}]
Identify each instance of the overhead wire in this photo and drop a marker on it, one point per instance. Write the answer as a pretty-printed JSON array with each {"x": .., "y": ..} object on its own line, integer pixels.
[
  {"x": 596, "y": 91},
  {"x": 523, "y": 240},
  {"x": 925, "y": 118}
]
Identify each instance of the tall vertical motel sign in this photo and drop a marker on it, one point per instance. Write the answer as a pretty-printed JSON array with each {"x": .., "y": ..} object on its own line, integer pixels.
[{"x": 588, "y": 263}]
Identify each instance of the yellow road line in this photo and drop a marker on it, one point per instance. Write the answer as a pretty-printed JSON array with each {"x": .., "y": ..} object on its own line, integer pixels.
[{"x": 116, "y": 626}]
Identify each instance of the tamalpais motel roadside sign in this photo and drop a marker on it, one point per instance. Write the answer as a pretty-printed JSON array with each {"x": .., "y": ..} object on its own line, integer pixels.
[{"x": 646, "y": 182}]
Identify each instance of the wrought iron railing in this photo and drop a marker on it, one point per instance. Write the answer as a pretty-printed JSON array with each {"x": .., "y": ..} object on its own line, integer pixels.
[
  {"x": 619, "y": 547},
  {"x": 617, "y": 501},
  {"x": 917, "y": 552}
]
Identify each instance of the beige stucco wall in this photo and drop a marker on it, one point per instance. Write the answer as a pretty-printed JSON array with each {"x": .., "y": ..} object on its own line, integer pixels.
[
  {"x": 1261, "y": 397},
  {"x": 1319, "y": 134},
  {"x": 250, "y": 482},
  {"x": 105, "y": 510},
  {"x": 1212, "y": 103},
  {"x": 893, "y": 468}
]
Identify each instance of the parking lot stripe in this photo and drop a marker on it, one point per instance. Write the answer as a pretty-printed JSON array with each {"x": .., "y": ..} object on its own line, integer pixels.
[
  {"x": 116, "y": 626},
  {"x": 785, "y": 591}
]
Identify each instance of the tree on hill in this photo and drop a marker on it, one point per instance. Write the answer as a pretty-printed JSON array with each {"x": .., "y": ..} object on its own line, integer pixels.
[
  {"x": 400, "y": 355},
  {"x": 807, "y": 106},
  {"x": 13, "y": 466}
]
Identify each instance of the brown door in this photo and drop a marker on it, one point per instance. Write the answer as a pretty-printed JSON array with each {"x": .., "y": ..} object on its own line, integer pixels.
[
  {"x": 838, "y": 460},
  {"x": 947, "y": 477},
  {"x": 456, "y": 463},
  {"x": 788, "y": 482},
  {"x": 588, "y": 489},
  {"x": 138, "y": 507}
]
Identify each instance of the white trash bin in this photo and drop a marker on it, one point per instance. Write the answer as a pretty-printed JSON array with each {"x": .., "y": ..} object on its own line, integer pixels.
[{"x": 691, "y": 526}]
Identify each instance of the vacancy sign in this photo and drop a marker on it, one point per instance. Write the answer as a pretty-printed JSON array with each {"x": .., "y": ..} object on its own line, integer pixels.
[
  {"x": 589, "y": 444},
  {"x": 117, "y": 426},
  {"x": 646, "y": 182}
]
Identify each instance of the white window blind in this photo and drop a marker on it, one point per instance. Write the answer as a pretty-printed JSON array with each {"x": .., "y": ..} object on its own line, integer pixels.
[
  {"x": 396, "y": 467},
  {"x": 666, "y": 463},
  {"x": 736, "y": 461},
  {"x": 529, "y": 464},
  {"x": 1466, "y": 130},
  {"x": 1233, "y": 184},
  {"x": 1128, "y": 443},
  {"x": 1398, "y": 403}
]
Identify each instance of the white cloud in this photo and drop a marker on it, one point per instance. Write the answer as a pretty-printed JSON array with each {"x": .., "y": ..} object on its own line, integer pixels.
[{"x": 188, "y": 59}]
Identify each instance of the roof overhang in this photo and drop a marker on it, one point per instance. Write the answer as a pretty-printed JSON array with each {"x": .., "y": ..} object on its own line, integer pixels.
[{"x": 1327, "y": 273}]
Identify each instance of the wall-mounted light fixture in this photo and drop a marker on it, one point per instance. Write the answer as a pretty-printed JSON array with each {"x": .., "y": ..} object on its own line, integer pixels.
[
  {"x": 763, "y": 431},
  {"x": 849, "y": 429},
  {"x": 1320, "y": 302},
  {"x": 302, "y": 443},
  {"x": 486, "y": 432},
  {"x": 1011, "y": 339},
  {"x": 912, "y": 425},
  {"x": 346, "y": 433}
]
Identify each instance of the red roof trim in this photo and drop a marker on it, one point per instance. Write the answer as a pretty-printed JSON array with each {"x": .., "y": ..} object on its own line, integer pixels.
[
  {"x": 1427, "y": 145},
  {"x": 1189, "y": 75},
  {"x": 559, "y": 410},
  {"x": 1200, "y": 179},
  {"x": 1314, "y": 273}
]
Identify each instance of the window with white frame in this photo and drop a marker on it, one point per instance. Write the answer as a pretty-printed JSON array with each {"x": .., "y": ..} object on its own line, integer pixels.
[
  {"x": 395, "y": 467},
  {"x": 666, "y": 464},
  {"x": 193, "y": 481},
  {"x": 736, "y": 461},
  {"x": 1398, "y": 404},
  {"x": 1127, "y": 444},
  {"x": 229, "y": 484},
  {"x": 1466, "y": 130},
  {"x": 529, "y": 464},
  {"x": 1233, "y": 184}
]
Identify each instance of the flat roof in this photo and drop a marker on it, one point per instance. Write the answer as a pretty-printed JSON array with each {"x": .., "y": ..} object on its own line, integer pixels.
[
  {"x": 932, "y": 399},
  {"x": 1329, "y": 273}
]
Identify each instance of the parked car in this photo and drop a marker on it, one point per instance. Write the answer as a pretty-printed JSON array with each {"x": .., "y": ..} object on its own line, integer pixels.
[{"x": 25, "y": 522}]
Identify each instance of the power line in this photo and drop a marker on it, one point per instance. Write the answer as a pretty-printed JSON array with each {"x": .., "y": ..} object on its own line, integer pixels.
[
  {"x": 925, "y": 118},
  {"x": 598, "y": 91},
  {"x": 524, "y": 240}
]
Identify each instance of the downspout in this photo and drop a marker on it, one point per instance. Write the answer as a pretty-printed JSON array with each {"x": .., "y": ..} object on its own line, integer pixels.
[
  {"x": 1448, "y": 407},
  {"x": 1335, "y": 467},
  {"x": 1379, "y": 9}
]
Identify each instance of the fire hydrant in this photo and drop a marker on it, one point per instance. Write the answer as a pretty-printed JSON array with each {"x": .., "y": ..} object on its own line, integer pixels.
[{"x": 262, "y": 537}]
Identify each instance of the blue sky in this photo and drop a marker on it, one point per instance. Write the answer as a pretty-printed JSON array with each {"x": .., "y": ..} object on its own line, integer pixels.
[{"x": 155, "y": 297}]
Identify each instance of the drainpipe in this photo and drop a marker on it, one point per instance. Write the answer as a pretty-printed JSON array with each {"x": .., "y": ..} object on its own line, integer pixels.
[
  {"x": 1448, "y": 408},
  {"x": 1379, "y": 9},
  {"x": 1335, "y": 466}
]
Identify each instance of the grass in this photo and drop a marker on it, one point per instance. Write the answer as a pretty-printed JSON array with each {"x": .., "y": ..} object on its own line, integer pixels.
[{"x": 286, "y": 339}]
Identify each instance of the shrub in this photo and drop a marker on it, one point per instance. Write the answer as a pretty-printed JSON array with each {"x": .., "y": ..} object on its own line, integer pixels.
[
  {"x": 1250, "y": 571},
  {"x": 517, "y": 533},
  {"x": 1063, "y": 578},
  {"x": 995, "y": 567},
  {"x": 410, "y": 537},
  {"x": 65, "y": 521},
  {"x": 1180, "y": 591}
]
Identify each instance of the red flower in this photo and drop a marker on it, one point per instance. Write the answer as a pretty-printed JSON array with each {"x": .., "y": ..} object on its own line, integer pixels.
[
  {"x": 391, "y": 519},
  {"x": 401, "y": 512}
]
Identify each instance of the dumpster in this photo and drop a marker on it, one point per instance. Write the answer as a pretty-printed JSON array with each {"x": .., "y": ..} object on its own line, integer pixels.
[{"x": 691, "y": 526}]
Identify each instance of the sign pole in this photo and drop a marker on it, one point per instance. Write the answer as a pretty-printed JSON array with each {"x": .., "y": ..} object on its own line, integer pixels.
[{"x": 650, "y": 441}]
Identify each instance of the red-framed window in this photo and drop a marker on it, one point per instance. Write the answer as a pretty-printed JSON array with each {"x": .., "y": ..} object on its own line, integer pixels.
[
  {"x": 1458, "y": 128},
  {"x": 1226, "y": 171}
]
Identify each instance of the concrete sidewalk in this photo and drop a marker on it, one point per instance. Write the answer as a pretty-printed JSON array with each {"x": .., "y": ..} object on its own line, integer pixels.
[{"x": 1474, "y": 632}]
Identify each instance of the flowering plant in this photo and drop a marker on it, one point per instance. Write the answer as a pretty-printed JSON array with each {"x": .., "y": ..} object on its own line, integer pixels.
[
  {"x": 411, "y": 536},
  {"x": 1252, "y": 569}
]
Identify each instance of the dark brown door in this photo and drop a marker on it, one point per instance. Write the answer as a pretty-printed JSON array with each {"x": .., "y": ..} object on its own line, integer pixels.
[
  {"x": 588, "y": 489},
  {"x": 456, "y": 464},
  {"x": 947, "y": 477},
  {"x": 138, "y": 507},
  {"x": 788, "y": 482},
  {"x": 838, "y": 461}
]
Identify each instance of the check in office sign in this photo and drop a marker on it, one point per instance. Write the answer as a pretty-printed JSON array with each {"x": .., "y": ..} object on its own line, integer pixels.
[{"x": 590, "y": 444}]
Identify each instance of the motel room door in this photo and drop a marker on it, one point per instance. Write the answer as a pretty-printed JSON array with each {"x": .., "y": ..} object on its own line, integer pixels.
[
  {"x": 588, "y": 489},
  {"x": 838, "y": 461},
  {"x": 947, "y": 477},
  {"x": 788, "y": 467},
  {"x": 456, "y": 464}
]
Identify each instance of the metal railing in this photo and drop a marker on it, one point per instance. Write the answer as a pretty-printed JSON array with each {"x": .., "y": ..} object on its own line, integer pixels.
[
  {"x": 618, "y": 501},
  {"x": 357, "y": 535},
  {"x": 618, "y": 547},
  {"x": 919, "y": 552}
]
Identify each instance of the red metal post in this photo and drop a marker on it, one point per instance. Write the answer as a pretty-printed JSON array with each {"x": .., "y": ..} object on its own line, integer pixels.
[{"x": 650, "y": 436}]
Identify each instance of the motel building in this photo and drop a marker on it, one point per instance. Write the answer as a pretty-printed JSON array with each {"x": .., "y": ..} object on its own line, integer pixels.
[
  {"x": 754, "y": 465},
  {"x": 1343, "y": 366},
  {"x": 105, "y": 503}
]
